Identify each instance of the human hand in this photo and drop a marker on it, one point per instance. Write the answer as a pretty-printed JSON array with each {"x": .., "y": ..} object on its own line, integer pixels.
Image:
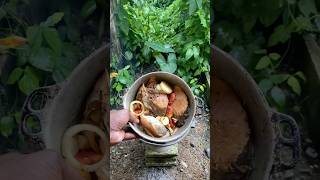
[
  {"x": 36, "y": 166},
  {"x": 118, "y": 120}
]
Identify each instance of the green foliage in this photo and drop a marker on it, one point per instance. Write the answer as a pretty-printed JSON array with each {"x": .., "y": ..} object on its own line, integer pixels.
[
  {"x": 248, "y": 29},
  {"x": 7, "y": 125},
  {"x": 120, "y": 80},
  {"x": 45, "y": 53},
  {"x": 277, "y": 86},
  {"x": 173, "y": 34}
]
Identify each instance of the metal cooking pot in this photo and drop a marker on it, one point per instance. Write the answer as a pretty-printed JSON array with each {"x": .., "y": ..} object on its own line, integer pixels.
[
  {"x": 264, "y": 123},
  {"x": 172, "y": 79}
]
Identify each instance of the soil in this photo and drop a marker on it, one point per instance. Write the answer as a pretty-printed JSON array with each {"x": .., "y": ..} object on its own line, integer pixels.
[
  {"x": 307, "y": 167},
  {"x": 127, "y": 158}
]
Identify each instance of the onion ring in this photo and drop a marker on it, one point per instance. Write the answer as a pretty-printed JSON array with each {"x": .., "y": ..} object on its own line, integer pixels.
[
  {"x": 68, "y": 149},
  {"x": 132, "y": 107}
]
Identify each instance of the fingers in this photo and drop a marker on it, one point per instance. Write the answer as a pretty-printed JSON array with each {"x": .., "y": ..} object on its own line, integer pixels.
[
  {"x": 133, "y": 118},
  {"x": 116, "y": 137},
  {"x": 129, "y": 136},
  {"x": 118, "y": 119}
]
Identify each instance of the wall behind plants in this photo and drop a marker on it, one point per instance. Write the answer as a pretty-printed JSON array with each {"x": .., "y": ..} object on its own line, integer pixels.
[
  {"x": 171, "y": 36},
  {"x": 261, "y": 34}
]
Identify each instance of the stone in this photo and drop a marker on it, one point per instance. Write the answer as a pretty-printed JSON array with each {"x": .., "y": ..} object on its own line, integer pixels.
[
  {"x": 309, "y": 141},
  {"x": 169, "y": 161},
  {"x": 184, "y": 164},
  {"x": 310, "y": 152},
  {"x": 191, "y": 144},
  {"x": 207, "y": 152},
  {"x": 305, "y": 170},
  {"x": 288, "y": 174},
  {"x": 193, "y": 124},
  {"x": 158, "y": 151},
  {"x": 161, "y": 156}
]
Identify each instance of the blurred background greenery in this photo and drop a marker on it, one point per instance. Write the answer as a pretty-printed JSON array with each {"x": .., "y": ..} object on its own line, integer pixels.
[{"x": 41, "y": 42}]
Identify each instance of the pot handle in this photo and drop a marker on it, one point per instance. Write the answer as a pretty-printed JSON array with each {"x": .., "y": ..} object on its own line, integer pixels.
[
  {"x": 35, "y": 105},
  {"x": 293, "y": 142}
]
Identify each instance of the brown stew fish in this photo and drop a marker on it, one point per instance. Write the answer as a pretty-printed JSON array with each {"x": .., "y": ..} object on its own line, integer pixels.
[{"x": 160, "y": 107}]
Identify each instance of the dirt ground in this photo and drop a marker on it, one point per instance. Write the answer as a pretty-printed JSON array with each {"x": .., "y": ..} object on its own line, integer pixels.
[{"x": 127, "y": 158}]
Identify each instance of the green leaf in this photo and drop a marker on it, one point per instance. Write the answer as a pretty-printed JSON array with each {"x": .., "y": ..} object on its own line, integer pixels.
[
  {"x": 265, "y": 85},
  {"x": 189, "y": 54},
  {"x": 303, "y": 24},
  {"x": 119, "y": 87},
  {"x": 41, "y": 59},
  {"x": 53, "y": 19},
  {"x": 128, "y": 55},
  {"x": 196, "y": 51},
  {"x": 202, "y": 17},
  {"x": 88, "y": 8},
  {"x": 169, "y": 66},
  {"x": 274, "y": 56},
  {"x": 201, "y": 88},
  {"x": 51, "y": 35},
  {"x": 15, "y": 75},
  {"x": 249, "y": 21},
  {"x": 29, "y": 81},
  {"x": 192, "y": 6},
  {"x": 263, "y": 63},
  {"x": 146, "y": 51},
  {"x": 294, "y": 84},
  {"x": 280, "y": 34},
  {"x": 278, "y": 96},
  {"x": 34, "y": 36},
  {"x": 307, "y": 7},
  {"x": 301, "y": 75},
  {"x": 270, "y": 11},
  {"x": 62, "y": 68},
  {"x": 160, "y": 47},
  {"x": 279, "y": 78},
  {"x": 7, "y": 125},
  {"x": 58, "y": 76},
  {"x": 199, "y": 4}
]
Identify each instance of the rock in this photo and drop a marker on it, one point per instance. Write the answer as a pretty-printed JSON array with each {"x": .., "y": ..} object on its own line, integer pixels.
[
  {"x": 309, "y": 141},
  {"x": 193, "y": 124},
  {"x": 184, "y": 164},
  {"x": 207, "y": 151},
  {"x": 288, "y": 174},
  {"x": 305, "y": 170},
  {"x": 191, "y": 144},
  {"x": 277, "y": 176},
  {"x": 181, "y": 170},
  {"x": 310, "y": 152},
  {"x": 121, "y": 147}
]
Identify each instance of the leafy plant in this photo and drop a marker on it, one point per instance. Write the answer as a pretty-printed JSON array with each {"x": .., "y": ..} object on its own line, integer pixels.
[
  {"x": 45, "y": 53},
  {"x": 120, "y": 80},
  {"x": 175, "y": 35},
  {"x": 245, "y": 27},
  {"x": 277, "y": 86}
]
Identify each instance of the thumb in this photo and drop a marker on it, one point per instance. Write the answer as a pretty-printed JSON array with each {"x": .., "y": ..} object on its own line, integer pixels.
[{"x": 118, "y": 119}]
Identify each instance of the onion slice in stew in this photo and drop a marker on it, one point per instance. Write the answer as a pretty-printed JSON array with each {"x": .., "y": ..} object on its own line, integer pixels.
[{"x": 137, "y": 108}]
